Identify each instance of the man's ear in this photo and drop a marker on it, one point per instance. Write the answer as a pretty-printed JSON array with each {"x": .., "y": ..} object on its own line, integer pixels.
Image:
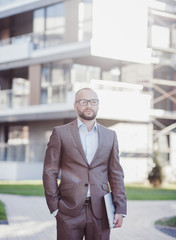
[{"x": 74, "y": 106}]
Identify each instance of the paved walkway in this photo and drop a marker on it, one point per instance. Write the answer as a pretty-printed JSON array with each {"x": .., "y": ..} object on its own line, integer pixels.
[{"x": 29, "y": 219}]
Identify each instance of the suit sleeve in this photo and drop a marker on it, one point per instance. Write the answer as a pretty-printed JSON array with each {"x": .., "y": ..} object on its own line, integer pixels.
[
  {"x": 51, "y": 171},
  {"x": 116, "y": 179}
]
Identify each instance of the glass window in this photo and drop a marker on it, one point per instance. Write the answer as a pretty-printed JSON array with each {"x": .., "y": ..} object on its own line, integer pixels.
[
  {"x": 17, "y": 143},
  {"x": 58, "y": 75},
  {"x": 18, "y": 135},
  {"x": 45, "y": 76},
  {"x": 20, "y": 92},
  {"x": 39, "y": 27},
  {"x": 84, "y": 74},
  {"x": 49, "y": 25},
  {"x": 55, "y": 82},
  {"x": 85, "y": 20},
  {"x": 55, "y": 24},
  {"x": 55, "y": 16},
  {"x": 39, "y": 20},
  {"x": 44, "y": 95}
]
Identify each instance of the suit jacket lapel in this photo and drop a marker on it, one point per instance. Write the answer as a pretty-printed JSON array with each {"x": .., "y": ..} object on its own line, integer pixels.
[{"x": 75, "y": 133}]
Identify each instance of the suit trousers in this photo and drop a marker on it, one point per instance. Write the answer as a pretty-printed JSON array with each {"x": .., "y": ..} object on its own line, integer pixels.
[{"x": 84, "y": 226}]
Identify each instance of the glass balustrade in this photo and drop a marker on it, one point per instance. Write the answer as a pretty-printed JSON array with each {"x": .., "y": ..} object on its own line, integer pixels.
[
  {"x": 12, "y": 99},
  {"x": 22, "y": 152}
]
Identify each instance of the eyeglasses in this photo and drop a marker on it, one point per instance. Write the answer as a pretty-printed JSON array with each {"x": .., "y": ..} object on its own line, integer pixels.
[{"x": 84, "y": 102}]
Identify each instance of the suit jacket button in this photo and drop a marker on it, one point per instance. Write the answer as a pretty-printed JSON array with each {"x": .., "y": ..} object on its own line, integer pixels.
[{"x": 86, "y": 185}]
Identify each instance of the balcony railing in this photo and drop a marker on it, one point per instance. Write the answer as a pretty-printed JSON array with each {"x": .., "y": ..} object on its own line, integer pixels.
[
  {"x": 22, "y": 152},
  {"x": 21, "y": 97},
  {"x": 36, "y": 152},
  {"x": 11, "y": 99},
  {"x": 16, "y": 40},
  {"x": 38, "y": 40}
]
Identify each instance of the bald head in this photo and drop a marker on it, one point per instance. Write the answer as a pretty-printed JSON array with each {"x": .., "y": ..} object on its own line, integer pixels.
[{"x": 82, "y": 93}]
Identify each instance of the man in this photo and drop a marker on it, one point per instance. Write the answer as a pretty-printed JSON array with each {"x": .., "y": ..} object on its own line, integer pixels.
[{"x": 87, "y": 155}]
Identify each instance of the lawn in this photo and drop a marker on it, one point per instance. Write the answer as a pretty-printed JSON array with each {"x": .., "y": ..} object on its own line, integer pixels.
[
  {"x": 139, "y": 192},
  {"x": 169, "y": 222},
  {"x": 134, "y": 192},
  {"x": 3, "y": 216},
  {"x": 26, "y": 188}
]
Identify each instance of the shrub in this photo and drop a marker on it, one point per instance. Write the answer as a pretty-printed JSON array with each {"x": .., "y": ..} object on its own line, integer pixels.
[{"x": 155, "y": 176}]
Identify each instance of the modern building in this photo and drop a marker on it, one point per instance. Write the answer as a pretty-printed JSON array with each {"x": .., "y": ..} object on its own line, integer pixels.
[{"x": 125, "y": 50}]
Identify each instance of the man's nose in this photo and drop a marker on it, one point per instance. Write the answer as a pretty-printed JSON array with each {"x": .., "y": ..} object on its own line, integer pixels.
[{"x": 89, "y": 105}]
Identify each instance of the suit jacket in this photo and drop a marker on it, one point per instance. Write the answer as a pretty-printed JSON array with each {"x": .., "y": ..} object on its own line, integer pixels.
[{"x": 65, "y": 153}]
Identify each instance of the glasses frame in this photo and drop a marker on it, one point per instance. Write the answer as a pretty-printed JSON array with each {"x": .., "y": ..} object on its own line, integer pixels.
[{"x": 87, "y": 101}]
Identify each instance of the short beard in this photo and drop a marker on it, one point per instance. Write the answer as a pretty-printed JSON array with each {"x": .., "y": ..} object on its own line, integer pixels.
[{"x": 83, "y": 116}]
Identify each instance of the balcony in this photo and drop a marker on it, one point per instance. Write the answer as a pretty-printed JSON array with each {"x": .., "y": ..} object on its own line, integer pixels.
[
  {"x": 118, "y": 100},
  {"x": 162, "y": 6},
  {"x": 32, "y": 48},
  {"x": 16, "y": 48},
  {"x": 17, "y": 108},
  {"x": 22, "y": 152},
  {"x": 20, "y": 47},
  {"x": 12, "y": 99},
  {"x": 162, "y": 28}
]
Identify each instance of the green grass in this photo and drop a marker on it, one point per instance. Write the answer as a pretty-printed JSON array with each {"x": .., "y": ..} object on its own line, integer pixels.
[
  {"x": 26, "y": 188},
  {"x": 3, "y": 215},
  {"x": 134, "y": 192},
  {"x": 169, "y": 222},
  {"x": 150, "y": 193}
]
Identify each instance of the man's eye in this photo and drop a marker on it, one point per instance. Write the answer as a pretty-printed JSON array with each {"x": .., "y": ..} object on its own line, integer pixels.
[{"x": 83, "y": 102}]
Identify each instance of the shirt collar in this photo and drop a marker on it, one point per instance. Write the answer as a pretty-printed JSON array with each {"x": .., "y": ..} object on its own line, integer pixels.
[{"x": 80, "y": 123}]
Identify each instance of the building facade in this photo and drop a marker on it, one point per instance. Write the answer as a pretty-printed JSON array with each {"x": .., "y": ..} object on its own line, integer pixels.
[{"x": 125, "y": 50}]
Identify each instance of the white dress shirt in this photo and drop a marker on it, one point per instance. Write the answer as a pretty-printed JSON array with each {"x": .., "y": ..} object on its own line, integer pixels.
[{"x": 89, "y": 142}]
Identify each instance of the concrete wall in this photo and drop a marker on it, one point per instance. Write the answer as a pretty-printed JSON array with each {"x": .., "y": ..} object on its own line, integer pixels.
[{"x": 34, "y": 78}]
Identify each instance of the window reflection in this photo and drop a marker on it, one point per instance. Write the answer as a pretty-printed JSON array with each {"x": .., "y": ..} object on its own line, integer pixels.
[
  {"x": 55, "y": 16},
  {"x": 20, "y": 92},
  {"x": 39, "y": 28},
  {"x": 55, "y": 82},
  {"x": 49, "y": 25},
  {"x": 18, "y": 140},
  {"x": 85, "y": 20},
  {"x": 84, "y": 74}
]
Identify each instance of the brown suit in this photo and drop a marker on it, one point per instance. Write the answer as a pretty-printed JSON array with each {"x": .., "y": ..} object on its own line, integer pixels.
[{"x": 65, "y": 153}]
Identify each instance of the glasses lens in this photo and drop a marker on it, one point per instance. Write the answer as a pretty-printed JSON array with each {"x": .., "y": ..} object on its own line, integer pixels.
[
  {"x": 83, "y": 102},
  {"x": 94, "y": 102}
]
